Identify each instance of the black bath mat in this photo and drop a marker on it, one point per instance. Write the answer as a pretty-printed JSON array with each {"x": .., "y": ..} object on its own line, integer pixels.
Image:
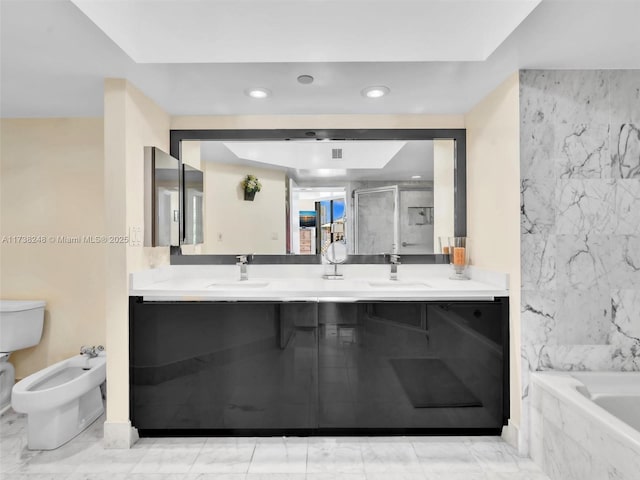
[{"x": 429, "y": 383}]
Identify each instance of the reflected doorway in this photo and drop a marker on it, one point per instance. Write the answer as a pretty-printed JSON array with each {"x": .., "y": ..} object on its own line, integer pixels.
[{"x": 317, "y": 218}]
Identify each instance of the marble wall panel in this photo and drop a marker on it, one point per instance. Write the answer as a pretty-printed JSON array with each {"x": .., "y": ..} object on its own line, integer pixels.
[
  {"x": 626, "y": 205},
  {"x": 582, "y": 151},
  {"x": 537, "y": 207},
  {"x": 580, "y": 221},
  {"x": 587, "y": 262},
  {"x": 585, "y": 207},
  {"x": 583, "y": 317},
  {"x": 625, "y": 142},
  {"x": 624, "y": 328},
  {"x": 625, "y": 96},
  {"x": 538, "y": 259}
]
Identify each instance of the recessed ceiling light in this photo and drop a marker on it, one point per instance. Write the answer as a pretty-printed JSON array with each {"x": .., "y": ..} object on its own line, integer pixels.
[
  {"x": 415, "y": 177},
  {"x": 258, "y": 92},
  {"x": 305, "y": 79},
  {"x": 375, "y": 91}
]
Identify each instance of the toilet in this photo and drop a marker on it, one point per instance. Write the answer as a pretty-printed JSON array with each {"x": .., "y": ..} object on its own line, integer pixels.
[
  {"x": 21, "y": 324},
  {"x": 61, "y": 400}
]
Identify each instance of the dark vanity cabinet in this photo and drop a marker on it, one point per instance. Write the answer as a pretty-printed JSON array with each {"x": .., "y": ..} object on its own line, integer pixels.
[
  {"x": 223, "y": 366},
  {"x": 404, "y": 366},
  {"x": 248, "y": 368}
]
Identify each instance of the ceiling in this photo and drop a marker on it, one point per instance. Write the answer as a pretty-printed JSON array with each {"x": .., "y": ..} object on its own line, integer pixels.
[
  {"x": 361, "y": 160},
  {"x": 318, "y": 154},
  {"x": 54, "y": 59},
  {"x": 250, "y": 31}
]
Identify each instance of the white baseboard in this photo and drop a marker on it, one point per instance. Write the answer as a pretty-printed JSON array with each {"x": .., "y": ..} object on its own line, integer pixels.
[
  {"x": 511, "y": 434},
  {"x": 119, "y": 435}
]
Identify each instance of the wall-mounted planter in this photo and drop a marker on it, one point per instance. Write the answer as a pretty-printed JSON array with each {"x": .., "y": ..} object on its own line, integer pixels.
[{"x": 249, "y": 196}]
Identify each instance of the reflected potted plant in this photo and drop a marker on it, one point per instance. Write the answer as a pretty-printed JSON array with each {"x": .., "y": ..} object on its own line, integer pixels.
[{"x": 251, "y": 185}]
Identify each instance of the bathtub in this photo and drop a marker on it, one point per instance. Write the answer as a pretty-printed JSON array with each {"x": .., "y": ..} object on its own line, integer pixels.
[{"x": 586, "y": 425}]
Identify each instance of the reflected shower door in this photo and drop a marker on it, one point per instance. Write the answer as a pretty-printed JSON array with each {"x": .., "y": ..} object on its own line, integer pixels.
[
  {"x": 416, "y": 221},
  {"x": 376, "y": 214}
]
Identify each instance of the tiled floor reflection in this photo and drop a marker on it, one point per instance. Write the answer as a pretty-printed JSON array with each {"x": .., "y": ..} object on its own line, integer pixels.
[{"x": 316, "y": 458}]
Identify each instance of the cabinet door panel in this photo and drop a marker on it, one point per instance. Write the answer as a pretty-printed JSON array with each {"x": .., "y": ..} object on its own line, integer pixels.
[
  {"x": 223, "y": 366},
  {"x": 409, "y": 365}
]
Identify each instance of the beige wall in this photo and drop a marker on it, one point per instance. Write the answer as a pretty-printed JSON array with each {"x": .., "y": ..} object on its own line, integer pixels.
[
  {"x": 191, "y": 155},
  {"x": 247, "y": 227},
  {"x": 493, "y": 201},
  {"x": 51, "y": 183},
  {"x": 443, "y": 191},
  {"x": 131, "y": 122}
]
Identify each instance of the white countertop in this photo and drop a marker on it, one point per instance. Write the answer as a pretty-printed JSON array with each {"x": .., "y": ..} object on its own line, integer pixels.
[{"x": 305, "y": 283}]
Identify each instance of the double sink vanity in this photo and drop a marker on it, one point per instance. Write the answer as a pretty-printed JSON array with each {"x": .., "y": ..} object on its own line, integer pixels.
[
  {"x": 285, "y": 351},
  {"x": 299, "y": 347}
]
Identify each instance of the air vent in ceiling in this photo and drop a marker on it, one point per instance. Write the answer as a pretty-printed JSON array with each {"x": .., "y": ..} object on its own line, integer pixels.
[{"x": 336, "y": 153}]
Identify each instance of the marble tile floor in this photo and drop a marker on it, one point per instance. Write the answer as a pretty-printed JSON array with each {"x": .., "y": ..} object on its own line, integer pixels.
[{"x": 291, "y": 458}]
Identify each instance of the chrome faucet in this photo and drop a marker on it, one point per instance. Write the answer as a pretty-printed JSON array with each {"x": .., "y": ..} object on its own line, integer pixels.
[
  {"x": 91, "y": 352},
  {"x": 394, "y": 261},
  {"x": 243, "y": 260}
]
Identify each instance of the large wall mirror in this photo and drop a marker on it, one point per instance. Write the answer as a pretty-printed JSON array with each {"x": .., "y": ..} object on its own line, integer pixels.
[{"x": 379, "y": 191}]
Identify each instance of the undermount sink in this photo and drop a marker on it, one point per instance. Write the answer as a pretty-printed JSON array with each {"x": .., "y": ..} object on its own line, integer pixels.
[
  {"x": 397, "y": 284},
  {"x": 239, "y": 284}
]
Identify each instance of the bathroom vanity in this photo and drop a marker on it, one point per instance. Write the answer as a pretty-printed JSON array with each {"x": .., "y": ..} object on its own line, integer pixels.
[{"x": 287, "y": 352}]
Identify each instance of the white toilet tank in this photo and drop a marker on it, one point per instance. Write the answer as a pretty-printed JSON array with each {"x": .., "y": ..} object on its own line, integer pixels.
[{"x": 20, "y": 324}]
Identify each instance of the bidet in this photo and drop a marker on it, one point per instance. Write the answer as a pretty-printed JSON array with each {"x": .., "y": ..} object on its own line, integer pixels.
[{"x": 61, "y": 400}]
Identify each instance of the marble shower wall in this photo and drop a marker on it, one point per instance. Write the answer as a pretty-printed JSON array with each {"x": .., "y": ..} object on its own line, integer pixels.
[{"x": 580, "y": 220}]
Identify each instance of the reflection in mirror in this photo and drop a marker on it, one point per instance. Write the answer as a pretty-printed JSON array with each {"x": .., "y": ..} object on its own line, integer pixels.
[
  {"x": 193, "y": 181},
  {"x": 162, "y": 198},
  {"x": 376, "y": 196}
]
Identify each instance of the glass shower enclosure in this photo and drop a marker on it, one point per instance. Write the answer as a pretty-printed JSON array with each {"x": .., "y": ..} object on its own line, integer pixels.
[{"x": 393, "y": 219}]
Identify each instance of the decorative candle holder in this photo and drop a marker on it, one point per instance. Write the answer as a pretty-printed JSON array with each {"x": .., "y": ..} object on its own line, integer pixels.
[{"x": 459, "y": 257}]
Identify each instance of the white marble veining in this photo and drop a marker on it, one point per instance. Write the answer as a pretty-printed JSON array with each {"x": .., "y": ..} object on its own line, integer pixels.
[
  {"x": 625, "y": 318},
  {"x": 281, "y": 458},
  {"x": 585, "y": 262},
  {"x": 583, "y": 151},
  {"x": 580, "y": 218},
  {"x": 538, "y": 262},
  {"x": 305, "y": 283},
  {"x": 585, "y": 206},
  {"x": 598, "y": 207},
  {"x": 626, "y": 156},
  {"x": 538, "y": 207}
]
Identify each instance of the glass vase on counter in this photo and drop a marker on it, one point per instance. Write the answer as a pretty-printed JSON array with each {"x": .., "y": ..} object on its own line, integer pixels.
[
  {"x": 444, "y": 245},
  {"x": 459, "y": 257}
]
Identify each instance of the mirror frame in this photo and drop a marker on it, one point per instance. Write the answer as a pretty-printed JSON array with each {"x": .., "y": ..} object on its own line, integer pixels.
[{"x": 458, "y": 135}]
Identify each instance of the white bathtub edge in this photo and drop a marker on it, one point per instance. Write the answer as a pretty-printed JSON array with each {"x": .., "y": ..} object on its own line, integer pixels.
[{"x": 563, "y": 386}]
